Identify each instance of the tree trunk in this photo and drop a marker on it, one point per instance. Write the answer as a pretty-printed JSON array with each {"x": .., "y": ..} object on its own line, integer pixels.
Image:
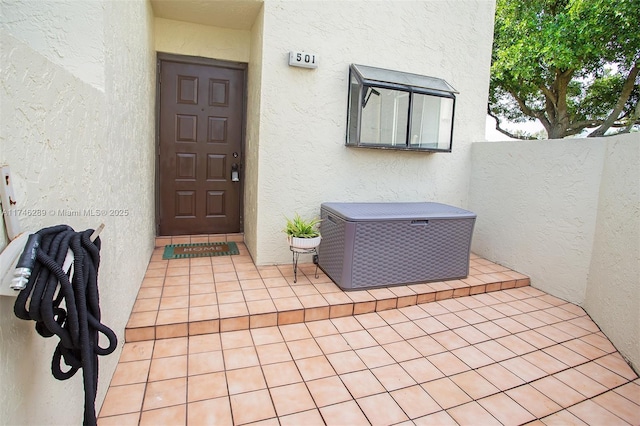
[{"x": 627, "y": 88}]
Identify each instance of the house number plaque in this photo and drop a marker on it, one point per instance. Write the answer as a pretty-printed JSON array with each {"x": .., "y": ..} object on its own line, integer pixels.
[{"x": 303, "y": 59}]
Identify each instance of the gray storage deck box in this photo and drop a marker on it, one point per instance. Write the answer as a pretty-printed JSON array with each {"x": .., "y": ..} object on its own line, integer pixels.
[{"x": 382, "y": 244}]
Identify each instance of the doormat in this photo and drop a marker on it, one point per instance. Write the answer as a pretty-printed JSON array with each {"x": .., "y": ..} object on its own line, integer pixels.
[{"x": 184, "y": 251}]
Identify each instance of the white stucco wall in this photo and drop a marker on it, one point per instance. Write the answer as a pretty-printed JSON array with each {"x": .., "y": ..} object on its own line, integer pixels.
[
  {"x": 303, "y": 160},
  {"x": 565, "y": 212},
  {"x": 613, "y": 286},
  {"x": 185, "y": 38},
  {"x": 73, "y": 144},
  {"x": 537, "y": 204},
  {"x": 52, "y": 28},
  {"x": 252, "y": 139}
]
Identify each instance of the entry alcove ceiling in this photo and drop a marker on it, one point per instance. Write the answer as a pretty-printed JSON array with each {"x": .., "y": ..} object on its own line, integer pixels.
[{"x": 235, "y": 14}]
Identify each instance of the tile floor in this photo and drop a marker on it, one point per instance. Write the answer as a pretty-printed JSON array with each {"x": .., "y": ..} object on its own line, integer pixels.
[{"x": 509, "y": 354}]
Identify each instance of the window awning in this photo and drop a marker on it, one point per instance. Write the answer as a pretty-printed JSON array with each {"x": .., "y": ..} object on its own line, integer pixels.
[{"x": 402, "y": 80}]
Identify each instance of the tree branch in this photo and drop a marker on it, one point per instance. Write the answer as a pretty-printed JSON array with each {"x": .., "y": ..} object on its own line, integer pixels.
[
  {"x": 634, "y": 118},
  {"x": 627, "y": 88},
  {"x": 506, "y": 132},
  {"x": 531, "y": 112}
]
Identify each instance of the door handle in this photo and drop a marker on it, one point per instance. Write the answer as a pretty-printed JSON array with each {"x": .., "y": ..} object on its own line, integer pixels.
[{"x": 235, "y": 175}]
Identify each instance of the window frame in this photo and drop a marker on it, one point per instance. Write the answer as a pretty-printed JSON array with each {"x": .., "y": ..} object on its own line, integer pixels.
[{"x": 357, "y": 73}]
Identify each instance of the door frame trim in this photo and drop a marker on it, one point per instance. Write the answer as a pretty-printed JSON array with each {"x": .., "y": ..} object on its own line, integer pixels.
[{"x": 197, "y": 60}]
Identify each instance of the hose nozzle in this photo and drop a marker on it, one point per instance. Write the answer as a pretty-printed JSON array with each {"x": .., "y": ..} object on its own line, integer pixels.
[{"x": 26, "y": 263}]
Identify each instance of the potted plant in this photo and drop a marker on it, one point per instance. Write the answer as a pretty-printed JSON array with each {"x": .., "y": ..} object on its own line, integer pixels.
[{"x": 303, "y": 233}]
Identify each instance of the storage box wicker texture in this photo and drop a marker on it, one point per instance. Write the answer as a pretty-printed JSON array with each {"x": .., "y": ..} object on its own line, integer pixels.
[{"x": 368, "y": 245}]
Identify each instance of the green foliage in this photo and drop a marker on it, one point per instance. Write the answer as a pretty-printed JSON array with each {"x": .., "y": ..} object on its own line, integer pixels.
[
  {"x": 565, "y": 63},
  {"x": 302, "y": 228}
]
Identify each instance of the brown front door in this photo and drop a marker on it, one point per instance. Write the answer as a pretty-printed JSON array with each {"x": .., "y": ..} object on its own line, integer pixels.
[{"x": 200, "y": 164}]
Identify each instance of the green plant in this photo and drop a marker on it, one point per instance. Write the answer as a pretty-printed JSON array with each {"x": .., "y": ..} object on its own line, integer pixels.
[{"x": 302, "y": 228}]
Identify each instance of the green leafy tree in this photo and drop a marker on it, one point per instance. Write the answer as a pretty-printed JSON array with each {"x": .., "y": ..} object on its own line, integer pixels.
[{"x": 571, "y": 64}]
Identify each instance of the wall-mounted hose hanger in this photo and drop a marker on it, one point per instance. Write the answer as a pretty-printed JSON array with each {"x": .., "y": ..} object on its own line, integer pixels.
[{"x": 66, "y": 304}]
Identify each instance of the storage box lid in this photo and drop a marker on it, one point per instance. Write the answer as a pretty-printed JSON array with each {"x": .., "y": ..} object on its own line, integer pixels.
[{"x": 395, "y": 211}]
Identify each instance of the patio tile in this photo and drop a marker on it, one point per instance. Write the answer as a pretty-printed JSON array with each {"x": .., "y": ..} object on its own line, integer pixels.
[
  {"x": 210, "y": 411},
  {"x": 128, "y": 373},
  {"x": 315, "y": 368},
  {"x": 631, "y": 391},
  {"x": 471, "y": 413},
  {"x": 442, "y": 418},
  {"x": 290, "y": 399},
  {"x": 617, "y": 364},
  {"x": 359, "y": 339},
  {"x": 168, "y": 368},
  {"x": 533, "y": 401},
  {"x": 415, "y": 401},
  {"x": 136, "y": 351},
  {"x": 506, "y": 410},
  {"x": 622, "y": 407},
  {"x": 165, "y": 393},
  {"x": 401, "y": 351},
  {"x": 332, "y": 343},
  {"x": 273, "y": 353},
  {"x": 252, "y": 407},
  {"x": 512, "y": 355},
  {"x": 421, "y": 370},
  {"x": 295, "y": 332},
  {"x": 593, "y": 413},
  {"x": 245, "y": 380},
  {"x": 472, "y": 356},
  {"x": 375, "y": 356},
  {"x": 240, "y": 358},
  {"x": 558, "y": 391},
  {"x": 563, "y": 418},
  {"x": 381, "y": 409},
  {"x": 207, "y": 386},
  {"x": 474, "y": 384},
  {"x": 175, "y": 415},
  {"x": 267, "y": 335},
  {"x": 448, "y": 363},
  {"x": 132, "y": 419},
  {"x": 307, "y": 418},
  {"x": 500, "y": 377},
  {"x": 305, "y": 348},
  {"x": 578, "y": 381},
  {"x": 205, "y": 362},
  {"x": 446, "y": 393},
  {"x": 601, "y": 374},
  {"x": 523, "y": 369},
  {"x": 328, "y": 391},
  {"x": 346, "y": 362},
  {"x": 283, "y": 373},
  {"x": 123, "y": 399},
  {"x": 393, "y": 377},
  {"x": 362, "y": 383},
  {"x": 345, "y": 413}
]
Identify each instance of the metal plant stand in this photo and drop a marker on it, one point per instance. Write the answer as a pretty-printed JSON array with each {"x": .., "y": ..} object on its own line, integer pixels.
[{"x": 296, "y": 252}]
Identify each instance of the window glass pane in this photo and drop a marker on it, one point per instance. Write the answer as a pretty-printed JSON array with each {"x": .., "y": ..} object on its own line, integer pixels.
[
  {"x": 431, "y": 119},
  {"x": 384, "y": 117}
]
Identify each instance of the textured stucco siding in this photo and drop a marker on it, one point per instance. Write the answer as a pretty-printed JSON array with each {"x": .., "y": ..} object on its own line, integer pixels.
[
  {"x": 303, "y": 160},
  {"x": 185, "y": 38},
  {"x": 74, "y": 144},
  {"x": 252, "y": 139},
  {"x": 565, "y": 212},
  {"x": 53, "y": 27},
  {"x": 613, "y": 290},
  {"x": 537, "y": 204}
]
